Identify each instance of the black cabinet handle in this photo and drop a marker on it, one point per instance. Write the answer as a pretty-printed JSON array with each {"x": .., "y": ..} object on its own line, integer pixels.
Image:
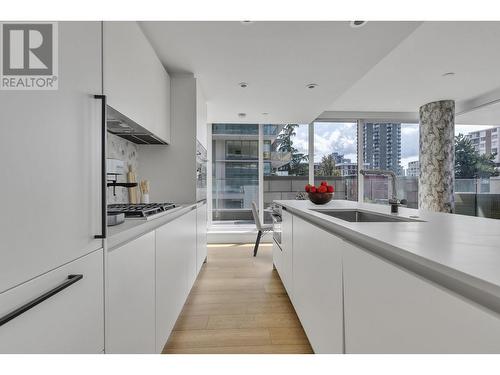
[
  {"x": 70, "y": 280},
  {"x": 103, "y": 167}
]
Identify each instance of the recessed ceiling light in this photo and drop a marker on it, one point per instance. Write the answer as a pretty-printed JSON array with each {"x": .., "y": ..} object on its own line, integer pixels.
[
  {"x": 356, "y": 24},
  {"x": 242, "y": 115},
  {"x": 448, "y": 74},
  {"x": 243, "y": 85},
  {"x": 312, "y": 85},
  {"x": 265, "y": 113},
  {"x": 246, "y": 22}
]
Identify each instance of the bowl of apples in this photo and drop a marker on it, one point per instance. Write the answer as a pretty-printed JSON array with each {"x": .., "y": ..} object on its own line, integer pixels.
[{"x": 321, "y": 194}]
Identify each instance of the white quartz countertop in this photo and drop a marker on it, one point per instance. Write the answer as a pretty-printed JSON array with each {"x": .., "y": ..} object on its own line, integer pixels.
[
  {"x": 133, "y": 228},
  {"x": 461, "y": 253}
]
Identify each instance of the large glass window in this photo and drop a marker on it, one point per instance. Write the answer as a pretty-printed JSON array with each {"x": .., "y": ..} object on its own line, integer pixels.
[
  {"x": 477, "y": 166},
  {"x": 336, "y": 157},
  {"x": 286, "y": 162},
  {"x": 391, "y": 146},
  {"x": 235, "y": 172}
]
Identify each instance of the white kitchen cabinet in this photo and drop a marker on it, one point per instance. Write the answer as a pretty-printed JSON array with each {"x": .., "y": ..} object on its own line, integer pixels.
[
  {"x": 317, "y": 285},
  {"x": 130, "y": 320},
  {"x": 390, "y": 310},
  {"x": 285, "y": 269},
  {"x": 201, "y": 234},
  {"x": 277, "y": 254},
  {"x": 135, "y": 81},
  {"x": 51, "y": 148},
  {"x": 175, "y": 269},
  {"x": 190, "y": 247},
  {"x": 71, "y": 321}
]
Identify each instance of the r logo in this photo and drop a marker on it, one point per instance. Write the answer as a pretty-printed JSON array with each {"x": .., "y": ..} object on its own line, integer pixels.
[
  {"x": 29, "y": 56},
  {"x": 27, "y": 49}
]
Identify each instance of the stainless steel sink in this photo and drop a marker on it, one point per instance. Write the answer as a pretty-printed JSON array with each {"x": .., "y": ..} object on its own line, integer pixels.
[{"x": 358, "y": 216}]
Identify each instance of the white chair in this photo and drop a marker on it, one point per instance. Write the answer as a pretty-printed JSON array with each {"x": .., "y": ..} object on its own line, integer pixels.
[{"x": 262, "y": 228}]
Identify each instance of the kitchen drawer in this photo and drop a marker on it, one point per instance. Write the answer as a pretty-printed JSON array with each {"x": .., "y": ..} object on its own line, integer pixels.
[{"x": 70, "y": 321}]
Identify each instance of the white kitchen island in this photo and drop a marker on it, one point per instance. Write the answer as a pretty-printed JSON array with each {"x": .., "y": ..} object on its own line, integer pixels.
[{"x": 426, "y": 286}]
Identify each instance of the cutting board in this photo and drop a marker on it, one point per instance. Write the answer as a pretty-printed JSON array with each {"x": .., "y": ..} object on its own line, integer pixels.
[{"x": 132, "y": 192}]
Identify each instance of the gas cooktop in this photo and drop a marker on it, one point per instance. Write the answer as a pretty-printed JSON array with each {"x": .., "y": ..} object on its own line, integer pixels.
[{"x": 139, "y": 210}]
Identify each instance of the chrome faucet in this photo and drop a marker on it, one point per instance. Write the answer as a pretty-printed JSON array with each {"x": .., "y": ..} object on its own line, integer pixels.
[{"x": 393, "y": 201}]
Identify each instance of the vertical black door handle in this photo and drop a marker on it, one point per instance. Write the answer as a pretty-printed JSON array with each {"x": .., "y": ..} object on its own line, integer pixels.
[{"x": 103, "y": 167}]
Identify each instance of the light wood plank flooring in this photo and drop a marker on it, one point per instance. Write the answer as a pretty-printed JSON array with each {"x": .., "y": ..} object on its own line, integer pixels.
[{"x": 238, "y": 305}]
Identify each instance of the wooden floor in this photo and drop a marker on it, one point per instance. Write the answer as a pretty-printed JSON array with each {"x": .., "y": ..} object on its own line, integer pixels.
[{"x": 238, "y": 305}]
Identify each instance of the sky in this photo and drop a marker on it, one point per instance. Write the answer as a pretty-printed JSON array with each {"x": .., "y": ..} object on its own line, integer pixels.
[{"x": 341, "y": 137}]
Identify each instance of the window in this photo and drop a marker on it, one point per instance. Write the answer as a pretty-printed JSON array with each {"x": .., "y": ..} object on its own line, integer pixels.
[
  {"x": 391, "y": 146},
  {"x": 235, "y": 172},
  {"x": 477, "y": 184},
  {"x": 286, "y": 162},
  {"x": 336, "y": 157}
]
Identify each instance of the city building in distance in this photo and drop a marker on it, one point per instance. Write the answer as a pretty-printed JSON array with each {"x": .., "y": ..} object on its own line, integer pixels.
[
  {"x": 486, "y": 142},
  {"x": 382, "y": 146}
]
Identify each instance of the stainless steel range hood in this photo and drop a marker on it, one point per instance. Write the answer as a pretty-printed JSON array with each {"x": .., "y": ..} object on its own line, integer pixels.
[{"x": 122, "y": 126}]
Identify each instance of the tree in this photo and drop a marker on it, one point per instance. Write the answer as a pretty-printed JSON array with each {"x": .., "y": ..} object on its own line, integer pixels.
[
  {"x": 327, "y": 167},
  {"x": 469, "y": 163},
  {"x": 296, "y": 167}
]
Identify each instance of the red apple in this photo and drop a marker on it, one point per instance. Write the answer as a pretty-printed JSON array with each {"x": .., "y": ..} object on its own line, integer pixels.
[
  {"x": 330, "y": 189},
  {"x": 322, "y": 189},
  {"x": 323, "y": 183},
  {"x": 312, "y": 189},
  {"x": 308, "y": 187}
]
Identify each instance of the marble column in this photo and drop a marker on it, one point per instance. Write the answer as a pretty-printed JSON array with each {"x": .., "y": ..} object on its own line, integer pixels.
[{"x": 437, "y": 157}]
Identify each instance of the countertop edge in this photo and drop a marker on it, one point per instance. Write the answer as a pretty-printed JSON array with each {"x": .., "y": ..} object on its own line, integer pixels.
[
  {"x": 467, "y": 286},
  {"x": 122, "y": 237}
]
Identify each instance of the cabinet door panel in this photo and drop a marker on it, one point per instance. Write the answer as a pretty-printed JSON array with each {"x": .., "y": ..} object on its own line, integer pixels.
[
  {"x": 390, "y": 310},
  {"x": 287, "y": 251},
  {"x": 136, "y": 83},
  {"x": 130, "y": 319},
  {"x": 189, "y": 247},
  {"x": 201, "y": 235},
  {"x": 317, "y": 285},
  {"x": 71, "y": 321},
  {"x": 171, "y": 277},
  {"x": 50, "y": 146}
]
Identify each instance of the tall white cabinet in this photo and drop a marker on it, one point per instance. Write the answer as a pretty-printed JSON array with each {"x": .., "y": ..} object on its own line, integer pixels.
[
  {"x": 50, "y": 147},
  {"x": 51, "y": 152}
]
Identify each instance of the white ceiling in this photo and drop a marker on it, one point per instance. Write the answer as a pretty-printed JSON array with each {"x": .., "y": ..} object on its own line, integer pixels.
[
  {"x": 488, "y": 115},
  {"x": 411, "y": 74},
  {"x": 381, "y": 67},
  {"x": 277, "y": 60}
]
